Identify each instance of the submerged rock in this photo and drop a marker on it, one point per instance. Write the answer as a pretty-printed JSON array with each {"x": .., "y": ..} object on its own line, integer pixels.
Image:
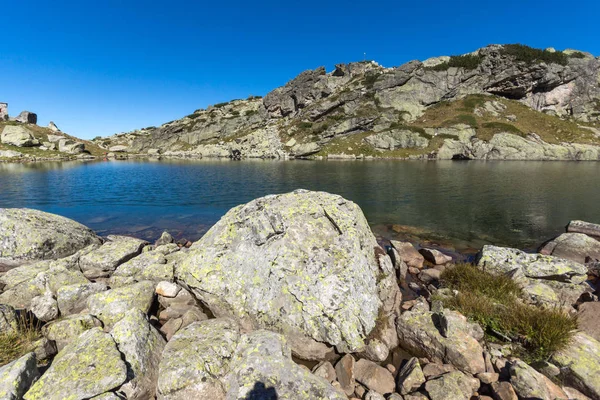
[
  {"x": 28, "y": 235},
  {"x": 88, "y": 367},
  {"x": 303, "y": 263}
]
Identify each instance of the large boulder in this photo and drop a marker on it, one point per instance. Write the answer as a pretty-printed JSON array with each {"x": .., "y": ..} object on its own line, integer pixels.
[
  {"x": 530, "y": 384},
  {"x": 452, "y": 386},
  {"x": 302, "y": 263},
  {"x": 66, "y": 330},
  {"x": 72, "y": 299},
  {"x": 151, "y": 266},
  {"x": 29, "y": 235},
  {"x": 142, "y": 346},
  {"x": 588, "y": 319},
  {"x": 16, "y": 377},
  {"x": 70, "y": 146},
  {"x": 577, "y": 247},
  {"x": 104, "y": 260},
  {"x": 213, "y": 360},
  {"x": 18, "y": 136},
  {"x": 90, "y": 366}
]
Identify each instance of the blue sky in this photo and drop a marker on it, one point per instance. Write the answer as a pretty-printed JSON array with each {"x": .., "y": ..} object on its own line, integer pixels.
[{"x": 97, "y": 68}]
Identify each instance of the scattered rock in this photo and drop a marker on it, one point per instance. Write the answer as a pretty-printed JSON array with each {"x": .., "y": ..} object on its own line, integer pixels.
[
  {"x": 30, "y": 235},
  {"x": 70, "y": 146},
  {"x": 419, "y": 335},
  {"x": 430, "y": 275},
  {"x": 150, "y": 266},
  {"x": 16, "y": 377},
  {"x": 374, "y": 377},
  {"x": 408, "y": 254},
  {"x": 410, "y": 378},
  {"x": 326, "y": 371},
  {"x": 528, "y": 383},
  {"x": 435, "y": 257},
  {"x": 87, "y": 367},
  {"x": 588, "y": 319},
  {"x": 26, "y": 117},
  {"x": 167, "y": 289},
  {"x": 345, "y": 373},
  {"x": 165, "y": 238},
  {"x": 52, "y": 126},
  {"x": 44, "y": 307},
  {"x": 453, "y": 385},
  {"x": 503, "y": 391}
]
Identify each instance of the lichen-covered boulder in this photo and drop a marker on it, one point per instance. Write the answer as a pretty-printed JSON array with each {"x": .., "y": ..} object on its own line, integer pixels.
[
  {"x": 142, "y": 347},
  {"x": 302, "y": 263},
  {"x": 420, "y": 336},
  {"x": 72, "y": 299},
  {"x": 530, "y": 384},
  {"x": 65, "y": 330},
  {"x": 44, "y": 307},
  {"x": 536, "y": 266},
  {"x": 104, "y": 260},
  {"x": 580, "y": 364},
  {"x": 20, "y": 295},
  {"x": 538, "y": 274},
  {"x": 16, "y": 377},
  {"x": 112, "y": 305},
  {"x": 577, "y": 247},
  {"x": 90, "y": 366},
  {"x": 28, "y": 235},
  {"x": 263, "y": 368},
  {"x": 195, "y": 358}
]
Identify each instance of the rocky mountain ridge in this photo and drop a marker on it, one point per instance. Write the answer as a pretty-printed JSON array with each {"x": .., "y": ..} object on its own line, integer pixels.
[{"x": 365, "y": 110}]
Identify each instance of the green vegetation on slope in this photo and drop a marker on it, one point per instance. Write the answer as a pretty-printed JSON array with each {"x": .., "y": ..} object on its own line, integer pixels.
[
  {"x": 495, "y": 302},
  {"x": 16, "y": 344}
]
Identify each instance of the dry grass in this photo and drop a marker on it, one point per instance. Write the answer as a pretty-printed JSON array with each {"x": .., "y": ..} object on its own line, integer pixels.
[
  {"x": 495, "y": 302},
  {"x": 16, "y": 344}
]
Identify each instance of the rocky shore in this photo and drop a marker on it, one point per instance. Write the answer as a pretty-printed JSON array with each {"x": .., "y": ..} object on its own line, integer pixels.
[{"x": 292, "y": 297}]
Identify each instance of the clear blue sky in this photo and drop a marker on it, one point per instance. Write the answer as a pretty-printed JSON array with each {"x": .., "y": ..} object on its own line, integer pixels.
[{"x": 97, "y": 68}]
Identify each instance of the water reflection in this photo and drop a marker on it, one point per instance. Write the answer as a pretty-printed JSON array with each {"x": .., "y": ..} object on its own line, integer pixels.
[{"x": 509, "y": 203}]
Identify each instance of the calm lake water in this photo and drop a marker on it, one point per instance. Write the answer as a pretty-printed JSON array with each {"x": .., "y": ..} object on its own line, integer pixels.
[{"x": 467, "y": 204}]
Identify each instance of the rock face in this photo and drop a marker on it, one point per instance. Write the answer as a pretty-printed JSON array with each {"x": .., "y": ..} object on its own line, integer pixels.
[
  {"x": 301, "y": 263},
  {"x": 374, "y": 105},
  {"x": 28, "y": 235},
  {"x": 18, "y": 136}
]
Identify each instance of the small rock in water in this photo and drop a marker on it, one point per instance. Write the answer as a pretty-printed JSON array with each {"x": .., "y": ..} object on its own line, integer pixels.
[{"x": 165, "y": 238}]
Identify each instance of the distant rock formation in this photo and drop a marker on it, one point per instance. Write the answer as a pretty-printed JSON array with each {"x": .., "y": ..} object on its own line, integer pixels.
[
  {"x": 52, "y": 126},
  {"x": 26, "y": 117}
]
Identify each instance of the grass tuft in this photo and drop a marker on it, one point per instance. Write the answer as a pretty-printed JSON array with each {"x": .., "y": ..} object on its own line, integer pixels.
[
  {"x": 16, "y": 344},
  {"x": 495, "y": 302}
]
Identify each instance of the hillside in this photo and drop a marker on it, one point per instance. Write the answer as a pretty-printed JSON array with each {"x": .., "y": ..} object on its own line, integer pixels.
[{"x": 499, "y": 102}]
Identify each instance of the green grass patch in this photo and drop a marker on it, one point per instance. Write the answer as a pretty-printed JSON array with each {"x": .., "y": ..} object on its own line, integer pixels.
[
  {"x": 16, "y": 344},
  {"x": 577, "y": 54},
  {"x": 470, "y": 103},
  {"x": 495, "y": 302},
  {"x": 249, "y": 113},
  {"x": 220, "y": 105},
  {"x": 462, "y": 119},
  {"x": 370, "y": 79},
  {"x": 305, "y": 125},
  {"x": 466, "y": 61},
  {"x": 530, "y": 55},
  {"x": 497, "y": 127}
]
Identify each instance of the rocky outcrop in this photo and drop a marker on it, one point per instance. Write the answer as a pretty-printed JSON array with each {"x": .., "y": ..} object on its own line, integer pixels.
[
  {"x": 26, "y": 117},
  {"x": 29, "y": 235},
  {"x": 317, "y": 110},
  {"x": 303, "y": 263},
  {"x": 16, "y": 377}
]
